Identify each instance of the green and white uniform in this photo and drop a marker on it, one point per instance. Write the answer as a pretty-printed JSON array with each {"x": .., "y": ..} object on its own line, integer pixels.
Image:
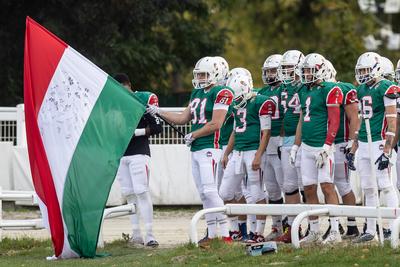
[
  {"x": 247, "y": 131},
  {"x": 342, "y": 137},
  {"x": 273, "y": 171},
  {"x": 373, "y": 101},
  {"x": 314, "y": 104},
  {"x": 206, "y": 152},
  {"x": 290, "y": 103}
]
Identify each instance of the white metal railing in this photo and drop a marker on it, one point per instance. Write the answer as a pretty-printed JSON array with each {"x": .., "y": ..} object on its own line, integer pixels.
[
  {"x": 302, "y": 211},
  {"x": 12, "y": 128}
]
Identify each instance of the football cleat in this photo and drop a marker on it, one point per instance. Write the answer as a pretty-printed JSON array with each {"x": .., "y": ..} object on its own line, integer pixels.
[
  {"x": 275, "y": 232},
  {"x": 312, "y": 237},
  {"x": 152, "y": 244},
  {"x": 333, "y": 238},
  {"x": 364, "y": 237}
]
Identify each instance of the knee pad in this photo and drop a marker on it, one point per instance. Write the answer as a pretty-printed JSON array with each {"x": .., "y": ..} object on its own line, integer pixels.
[
  {"x": 131, "y": 198},
  {"x": 371, "y": 199},
  {"x": 238, "y": 196},
  {"x": 343, "y": 186},
  {"x": 279, "y": 201},
  {"x": 256, "y": 192},
  {"x": 225, "y": 193}
]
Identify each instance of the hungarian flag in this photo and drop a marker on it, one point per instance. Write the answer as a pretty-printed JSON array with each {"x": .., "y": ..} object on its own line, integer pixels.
[{"x": 79, "y": 122}]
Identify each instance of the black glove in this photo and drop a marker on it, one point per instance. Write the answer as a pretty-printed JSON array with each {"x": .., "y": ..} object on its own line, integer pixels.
[
  {"x": 396, "y": 147},
  {"x": 382, "y": 161},
  {"x": 279, "y": 152},
  {"x": 350, "y": 161}
]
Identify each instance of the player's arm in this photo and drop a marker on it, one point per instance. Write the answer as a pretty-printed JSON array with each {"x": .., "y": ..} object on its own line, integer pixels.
[
  {"x": 396, "y": 137},
  {"x": 297, "y": 140},
  {"x": 267, "y": 109},
  {"x": 334, "y": 100},
  {"x": 179, "y": 118},
  {"x": 390, "y": 101},
  {"x": 221, "y": 105}
]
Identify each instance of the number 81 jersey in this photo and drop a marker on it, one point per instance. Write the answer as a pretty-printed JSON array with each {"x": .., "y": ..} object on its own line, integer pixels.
[{"x": 202, "y": 105}]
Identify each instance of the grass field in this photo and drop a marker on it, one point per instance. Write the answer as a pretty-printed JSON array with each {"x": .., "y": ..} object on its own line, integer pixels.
[{"x": 30, "y": 253}]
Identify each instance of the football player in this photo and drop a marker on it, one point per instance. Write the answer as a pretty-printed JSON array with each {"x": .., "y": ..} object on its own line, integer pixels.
[
  {"x": 272, "y": 167},
  {"x": 133, "y": 171},
  {"x": 252, "y": 119},
  {"x": 316, "y": 132},
  {"x": 349, "y": 123},
  {"x": 378, "y": 105},
  {"x": 207, "y": 110},
  {"x": 291, "y": 84}
]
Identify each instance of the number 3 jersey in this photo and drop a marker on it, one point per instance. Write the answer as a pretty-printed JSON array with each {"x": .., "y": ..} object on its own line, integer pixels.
[
  {"x": 373, "y": 107},
  {"x": 202, "y": 105},
  {"x": 314, "y": 104},
  {"x": 247, "y": 122}
]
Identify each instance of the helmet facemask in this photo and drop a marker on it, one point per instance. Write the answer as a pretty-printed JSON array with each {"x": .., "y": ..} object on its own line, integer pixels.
[
  {"x": 363, "y": 75},
  {"x": 286, "y": 73},
  {"x": 270, "y": 75},
  {"x": 201, "y": 79},
  {"x": 311, "y": 74}
]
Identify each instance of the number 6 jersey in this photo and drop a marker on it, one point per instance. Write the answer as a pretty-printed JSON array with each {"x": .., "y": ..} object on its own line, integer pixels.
[
  {"x": 373, "y": 107},
  {"x": 202, "y": 105},
  {"x": 314, "y": 104}
]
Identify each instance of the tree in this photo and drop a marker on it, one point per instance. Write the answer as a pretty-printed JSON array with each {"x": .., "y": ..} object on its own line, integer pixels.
[{"x": 153, "y": 41}]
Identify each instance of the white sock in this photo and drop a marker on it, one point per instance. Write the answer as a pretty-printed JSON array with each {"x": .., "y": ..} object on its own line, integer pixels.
[
  {"x": 371, "y": 199},
  {"x": 234, "y": 223},
  {"x": 131, "y": 199},
  {"x": 290, "y": 220},
  {"x": 390, "y": 198},
  {"x": 260, "y": 227},
  {"x": 145, "y": 206},
  {"x": 277, "y": 222},
  {"x": 211, "y": 225},
  {"x": 314, "y": 225},
  {"x": 252, "y": 219},
  {"x": 334, "y": 224},
  {"x": 223, "y": 225}
]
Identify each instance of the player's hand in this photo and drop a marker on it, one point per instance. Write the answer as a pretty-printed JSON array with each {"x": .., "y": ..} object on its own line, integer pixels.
[
  {"x": 224, "y": 161},
  {"x": 322, "y": 156},
  {"x": 348, "y": 147},
  {"x": 153, "y": 110},
  {"x": 293, "y": 155},
  {"x": 350, "y": 161},
  {"x": 256, "y": 164},
  {"x": 383, "y": 161},
  {"x": 279, "y": 150},
  {"x": 188, "y": 139}
]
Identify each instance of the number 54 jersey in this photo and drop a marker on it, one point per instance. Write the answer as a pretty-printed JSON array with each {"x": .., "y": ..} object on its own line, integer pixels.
[
  {"x": 202, "y": 104},
  {"x": 247, "y": 122},
  {"x": 314, "y": 105},
  {"x": 373, "y": 107}
]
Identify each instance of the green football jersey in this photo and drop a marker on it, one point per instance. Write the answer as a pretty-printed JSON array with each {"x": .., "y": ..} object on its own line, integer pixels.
[
  {"x": 373, "y": 107},
  {"x": 274, "y": 92},
  {"x": 227, "y": 127},
  {"x": 146, "y": 98},
  {"x": 247, "y": 122},
  {"x": 349, "y": 97},
  {"x": 314, "y": 105},
  {"x": 290, "y": 103},
  {"x": 202, "y": 105}
]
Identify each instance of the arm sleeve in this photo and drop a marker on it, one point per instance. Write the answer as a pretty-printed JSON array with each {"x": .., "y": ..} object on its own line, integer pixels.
[
  {"x": 153, "y": 100},
  {"x": 351, "y": 97},
  {"x": 334, "y": 97},
  {"x": 154, "y": 124},
  {"x": 333, "y": 124},
  {"x": 223, "y": 99},
  {"x": 268, "y": 108},
  {"x": 392, "y": 92}
]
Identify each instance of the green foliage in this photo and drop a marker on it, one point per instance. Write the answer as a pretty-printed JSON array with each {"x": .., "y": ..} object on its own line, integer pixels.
[{"x": 152, "y": 41}]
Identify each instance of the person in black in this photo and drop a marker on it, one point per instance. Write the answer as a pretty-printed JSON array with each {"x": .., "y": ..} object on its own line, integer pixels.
[{"x": 133, "y": 171}]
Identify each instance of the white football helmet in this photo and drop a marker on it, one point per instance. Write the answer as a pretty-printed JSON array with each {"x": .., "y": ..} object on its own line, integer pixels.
[
  {"x": 206, "y": 72},
  {"x": 330, "y": 72},
  {"x": 313, "y": 68},
  {"x": 288, "y": 68},
  {"x": 397, "y": 72},
  {"x": 240, "y": 71},
  {"x": 368, "y": 67},
  {"x": 270, "y": 69},
  {"x": 240, "y": 85},
  {"x": 224, "y": 70},
  {"x": 387, "y": 68}
]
